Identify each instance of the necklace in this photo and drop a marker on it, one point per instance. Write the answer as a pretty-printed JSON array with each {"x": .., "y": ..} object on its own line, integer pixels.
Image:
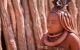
[
  {"x": 54, "y": 35},
  {"x": 57, "y": 42}
]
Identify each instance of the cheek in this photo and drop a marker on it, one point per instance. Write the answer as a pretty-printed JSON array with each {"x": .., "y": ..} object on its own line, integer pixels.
[
  {"x": 55, "y": 28},
  {"x": 53, "y": 24}
]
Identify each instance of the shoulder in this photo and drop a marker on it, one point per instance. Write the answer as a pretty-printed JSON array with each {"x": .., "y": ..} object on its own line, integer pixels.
[
  {"x": 73, "y": 37},
  {"x": 73, "y": 41}
]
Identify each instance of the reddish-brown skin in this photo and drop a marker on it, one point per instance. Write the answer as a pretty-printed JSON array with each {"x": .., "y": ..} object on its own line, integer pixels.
[
  {"x": 54, "y": 26},
  {"x": 53, "y": 23},
  {"x": 73, "y": 41}
]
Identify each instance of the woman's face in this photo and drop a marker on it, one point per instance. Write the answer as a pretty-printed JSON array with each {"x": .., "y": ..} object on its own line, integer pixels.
[{"x": 53, "y": 24}]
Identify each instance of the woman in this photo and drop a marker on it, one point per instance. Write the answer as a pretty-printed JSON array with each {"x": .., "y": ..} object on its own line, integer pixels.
[{"x": 61, "y": 31}]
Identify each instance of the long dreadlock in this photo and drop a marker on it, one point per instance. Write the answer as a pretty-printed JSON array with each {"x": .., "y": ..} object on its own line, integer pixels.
[
  {"x": 66, "y": 19},
  {"x": 67, "y": 22}
]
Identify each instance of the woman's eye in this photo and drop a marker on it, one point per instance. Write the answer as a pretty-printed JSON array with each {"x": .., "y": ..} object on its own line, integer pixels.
[{"x": 51, "y": 21}]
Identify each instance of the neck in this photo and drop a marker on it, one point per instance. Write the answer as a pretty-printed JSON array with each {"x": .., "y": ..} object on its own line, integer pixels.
[{"x": 57, "y": 33}]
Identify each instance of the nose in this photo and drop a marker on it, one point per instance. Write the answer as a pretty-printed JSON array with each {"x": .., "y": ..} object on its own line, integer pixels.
[{"x": 49, "y": 24}]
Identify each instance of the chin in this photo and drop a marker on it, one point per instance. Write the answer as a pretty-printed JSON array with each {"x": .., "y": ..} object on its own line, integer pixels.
[
  {"x": 55, "y": 30},
  {"x": 52, "y": 31}
]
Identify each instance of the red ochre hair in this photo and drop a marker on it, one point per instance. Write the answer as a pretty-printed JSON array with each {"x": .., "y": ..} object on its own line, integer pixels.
[{"x": 67, "y": 21}]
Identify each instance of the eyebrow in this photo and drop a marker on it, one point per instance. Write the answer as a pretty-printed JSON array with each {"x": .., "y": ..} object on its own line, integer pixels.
[{"x": 52, "y": 19}]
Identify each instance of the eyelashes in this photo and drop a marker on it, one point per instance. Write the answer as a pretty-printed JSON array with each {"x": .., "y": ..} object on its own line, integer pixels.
[{"x": 52, "y": 21}]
